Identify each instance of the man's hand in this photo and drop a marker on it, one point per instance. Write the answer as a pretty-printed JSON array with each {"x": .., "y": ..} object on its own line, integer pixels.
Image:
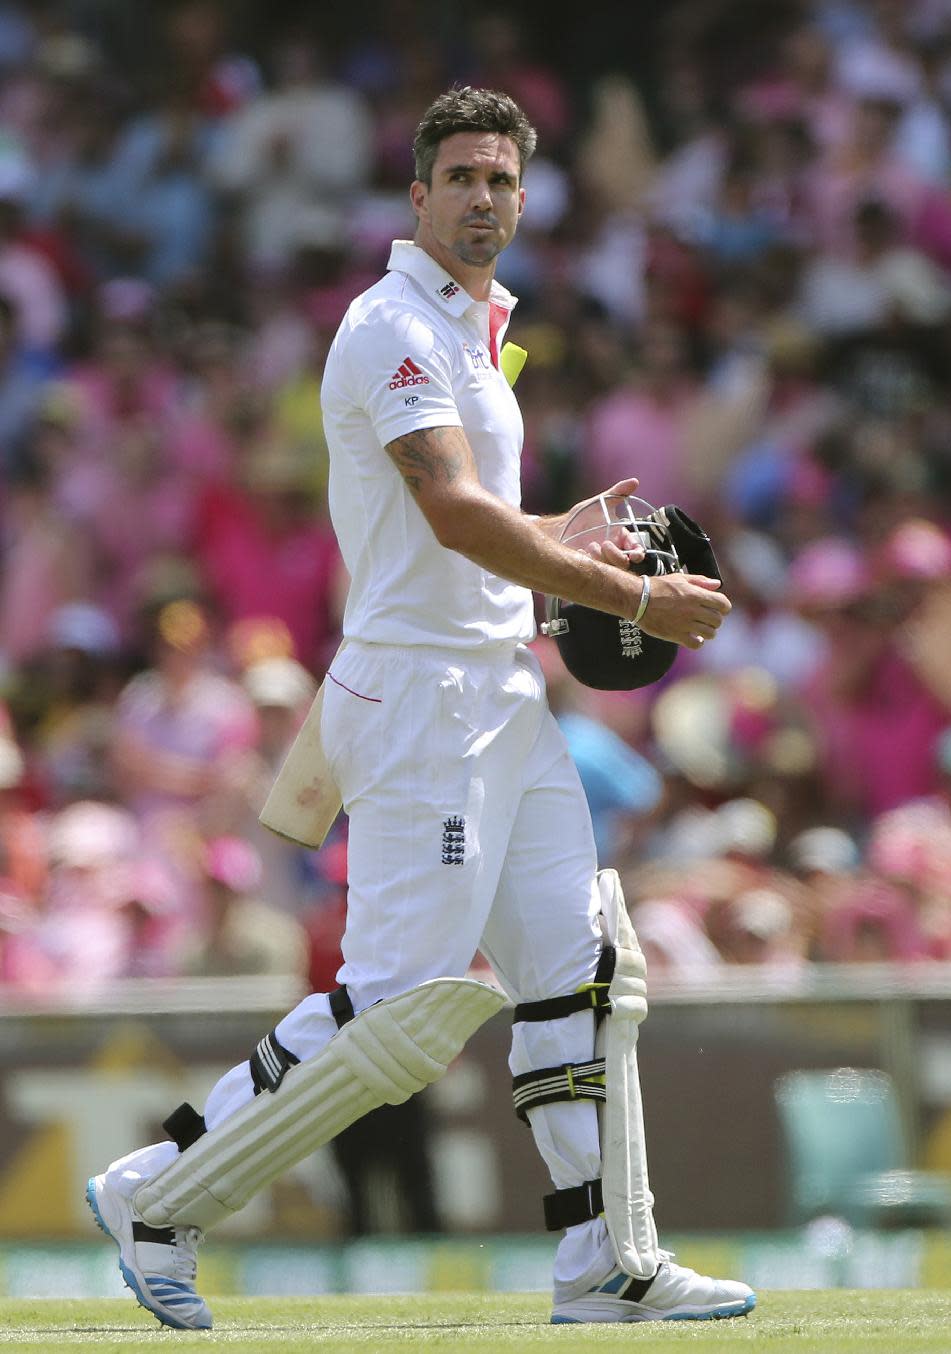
[
  {"x": 618, "y": 546},
  {"x": 439, "y": 470},
  {"x": 686, "y": 608}
]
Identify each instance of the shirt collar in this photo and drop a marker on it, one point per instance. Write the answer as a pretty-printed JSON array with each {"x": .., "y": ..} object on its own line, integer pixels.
[{"x": 450, "y": 295}]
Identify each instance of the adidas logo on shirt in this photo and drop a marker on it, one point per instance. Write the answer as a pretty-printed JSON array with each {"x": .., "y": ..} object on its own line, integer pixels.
[{"x": 408, "y": 374}]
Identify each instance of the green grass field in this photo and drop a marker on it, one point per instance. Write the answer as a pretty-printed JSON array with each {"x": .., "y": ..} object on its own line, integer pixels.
[{"x": 836, "y": 1322}]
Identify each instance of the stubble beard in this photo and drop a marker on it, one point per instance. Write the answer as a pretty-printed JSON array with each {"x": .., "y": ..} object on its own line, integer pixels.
[
  {"x": 480, "y": 256},
  {"x": 477, "y": 259}
]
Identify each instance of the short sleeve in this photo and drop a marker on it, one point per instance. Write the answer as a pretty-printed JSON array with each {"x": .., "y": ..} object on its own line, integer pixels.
[{"x": 402, "y": 371}]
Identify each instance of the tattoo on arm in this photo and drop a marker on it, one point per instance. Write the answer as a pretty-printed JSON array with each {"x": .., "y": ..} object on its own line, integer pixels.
[{"x": 429, "y": 455}]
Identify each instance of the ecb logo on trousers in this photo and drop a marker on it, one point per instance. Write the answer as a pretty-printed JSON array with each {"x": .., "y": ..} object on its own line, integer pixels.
[{"x": 453, "y": 841}]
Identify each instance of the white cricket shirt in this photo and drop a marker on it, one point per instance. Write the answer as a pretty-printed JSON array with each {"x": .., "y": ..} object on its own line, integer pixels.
[{"x": 415, "y": 351}]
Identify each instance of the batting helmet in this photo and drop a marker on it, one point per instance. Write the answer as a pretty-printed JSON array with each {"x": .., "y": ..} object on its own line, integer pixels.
[{"x": 605, "y": 651}]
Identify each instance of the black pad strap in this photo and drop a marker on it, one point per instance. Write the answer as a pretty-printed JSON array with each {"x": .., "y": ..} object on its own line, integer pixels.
[
  {"x": 591, "y": 996},
  {"x": 185, "y": 1126},
  {"x": 571, "y": 1081},
  {"x": 141, "y": 1231},
  {"x": 341, "y": 1007},
  {"x": 568, "y": 1207},
  {"x": 270, "y": 1063}
]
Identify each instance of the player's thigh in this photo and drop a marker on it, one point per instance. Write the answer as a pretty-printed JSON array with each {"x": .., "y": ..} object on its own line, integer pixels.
[
  {"x": 542, "y": 936},
  {"x": 424, "y": 853}
]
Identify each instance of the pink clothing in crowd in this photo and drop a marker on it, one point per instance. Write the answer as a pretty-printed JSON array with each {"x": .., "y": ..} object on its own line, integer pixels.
[
  {"x": 252, "y": 570},
  {"x": 630, "y": 433},
  {"x": 131, "y": 524},
  {"x": 874, "y": 923},
  {"x": 878, "y": 748},
  {"x": 836, "y": 190},
  {"x": 34, "y": 582},
  {"x": 204, "y": 721},
  {"x": 106, "y": 405}
]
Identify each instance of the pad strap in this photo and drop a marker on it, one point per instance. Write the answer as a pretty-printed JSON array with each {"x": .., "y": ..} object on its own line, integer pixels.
[
  {"x": 270, "y": 1063},
  {"x": 591, "y": 996},
  {"x": 341, "y": 1007},
  {"x": 185, "y": 1126},
  {"x": 163, "y": 1236},
  {"x": 572, "y": 1081},
  {"x": 583, "y": 1203},
  {"x": 387, "y": 1053},
  {"x": 568, "y": 1207}
]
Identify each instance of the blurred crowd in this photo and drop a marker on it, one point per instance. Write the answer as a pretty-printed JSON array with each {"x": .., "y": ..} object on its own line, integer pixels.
[{"x": 735, "y": 281}]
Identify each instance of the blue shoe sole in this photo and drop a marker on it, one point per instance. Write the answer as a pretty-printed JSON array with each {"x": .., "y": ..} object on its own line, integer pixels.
[
  {"x": 128, "y": 1277},
  {"x": 718, "y": 1314}
]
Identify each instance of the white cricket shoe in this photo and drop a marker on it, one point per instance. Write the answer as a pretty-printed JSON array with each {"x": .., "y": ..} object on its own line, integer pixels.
[
  {"x": 674, "y": 1294},
  {"x": 158, "y": 1263}
]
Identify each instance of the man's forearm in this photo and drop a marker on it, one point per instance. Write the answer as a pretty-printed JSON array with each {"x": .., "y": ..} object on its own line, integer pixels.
[
  {"x": 439, "y": 470},
  {"x": 525, "y": 550},
  {"x": 552, "y": 526}
]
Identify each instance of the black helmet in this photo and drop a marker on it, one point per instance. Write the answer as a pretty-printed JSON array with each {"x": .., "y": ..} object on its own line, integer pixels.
[{"x": 605, "y": 651}]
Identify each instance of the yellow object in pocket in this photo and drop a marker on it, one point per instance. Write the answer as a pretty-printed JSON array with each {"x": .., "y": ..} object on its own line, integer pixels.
[{"x": 512, "y": 359}]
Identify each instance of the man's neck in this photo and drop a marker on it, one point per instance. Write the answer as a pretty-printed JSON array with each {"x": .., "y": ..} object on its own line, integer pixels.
[{"x": 476, "y": 281}]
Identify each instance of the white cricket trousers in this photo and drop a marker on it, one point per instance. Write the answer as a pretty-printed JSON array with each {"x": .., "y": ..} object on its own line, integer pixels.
[{"x": 469, "y": 829}]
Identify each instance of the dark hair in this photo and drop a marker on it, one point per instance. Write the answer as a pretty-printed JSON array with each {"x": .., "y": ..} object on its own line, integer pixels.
[{"x": 470, "y": 110}]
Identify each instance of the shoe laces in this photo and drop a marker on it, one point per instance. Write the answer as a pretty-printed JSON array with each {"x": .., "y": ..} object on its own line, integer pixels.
[{"x": 185, "y": 1261}]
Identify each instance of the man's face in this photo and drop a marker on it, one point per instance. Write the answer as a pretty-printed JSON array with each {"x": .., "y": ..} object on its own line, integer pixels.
[{"x": 472, "y": 207}]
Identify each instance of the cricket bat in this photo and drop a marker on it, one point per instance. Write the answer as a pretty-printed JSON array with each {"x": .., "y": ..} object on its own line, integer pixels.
[{"x": 304, "y": 800}]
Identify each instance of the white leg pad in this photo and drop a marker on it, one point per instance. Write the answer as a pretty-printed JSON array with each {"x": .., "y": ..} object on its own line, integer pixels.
[
  {"x": 383, "y": 1056},
  {"x": 628, "y": 1202}
]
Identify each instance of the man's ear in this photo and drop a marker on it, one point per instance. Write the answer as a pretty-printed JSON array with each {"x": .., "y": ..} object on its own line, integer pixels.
[
  {"x": 521, "y": 201},
  {"x": 419, "y": 196}
]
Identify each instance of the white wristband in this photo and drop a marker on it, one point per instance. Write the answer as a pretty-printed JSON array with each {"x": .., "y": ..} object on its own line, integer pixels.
[{"x": 645, "y": 597}]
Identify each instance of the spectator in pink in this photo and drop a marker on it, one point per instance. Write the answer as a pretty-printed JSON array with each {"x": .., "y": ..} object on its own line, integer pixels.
[
  {"x": 807, "y": 87},
  {"x": 679, "y": 433},
  {"x": 238, "y": 931},
  {"x": 643, "y": 422},
  {"x": 874, "y": 924},
  {"x": 100, "y": 918},
  {"x": 215, "y": 401},
  {"x": 124, "y": 383},
  {"x": 864, "y": 166},
  {"x": 123, "y": 487},
  {"x": 23, "y": 855},
  {"x": 505, "y": 61},
  {"x": 47, "y": 563},
  {"x": 877, "y": 718},
  {"x": 178, "y": 724},
  {"x": 264, "y": 551}
]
